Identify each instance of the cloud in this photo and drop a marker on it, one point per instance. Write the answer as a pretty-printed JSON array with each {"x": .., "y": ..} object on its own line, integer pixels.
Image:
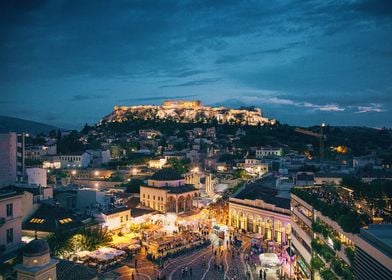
[
  {"x": 272, "y": 100},
  {"x": 370, "y": 108}
]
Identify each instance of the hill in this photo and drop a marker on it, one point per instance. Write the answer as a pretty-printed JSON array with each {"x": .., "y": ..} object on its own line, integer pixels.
[{"x": 11, "y": 124}]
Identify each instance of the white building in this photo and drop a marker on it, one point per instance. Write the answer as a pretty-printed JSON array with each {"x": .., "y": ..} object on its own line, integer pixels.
[
  {"x": 268, "y": 151},
  {"x": 74, "y": 161},
  {"x": 10, "y": 221},
  {"x": 88, "y": 197},
  {"x": 115, "y": 219},
  {"x": 37, "y": 176}
]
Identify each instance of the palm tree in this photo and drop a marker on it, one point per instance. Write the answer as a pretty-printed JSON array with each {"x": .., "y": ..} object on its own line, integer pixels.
[{"x": 92, "y": 238}]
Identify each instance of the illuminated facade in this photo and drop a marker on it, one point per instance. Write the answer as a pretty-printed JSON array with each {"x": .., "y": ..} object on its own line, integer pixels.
[
  {"x": 189, "y": 111},
  {"x": 257, "y": 208},
  {"x": 167, "y": 191},
  {"x": 305, "y": 221}
]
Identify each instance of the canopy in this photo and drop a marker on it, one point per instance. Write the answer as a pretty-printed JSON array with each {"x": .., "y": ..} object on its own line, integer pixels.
[
  {"x": 134, "y": 247},
  {"x": 121, "y": 246},
  {"x": 83, "y": 254},
  {"x": 105, "y": 254},
  {"x": 269, "y": 259}
]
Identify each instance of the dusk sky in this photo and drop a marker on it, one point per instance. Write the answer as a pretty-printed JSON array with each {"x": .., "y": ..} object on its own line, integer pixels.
[{"x": 302, "y": 62}]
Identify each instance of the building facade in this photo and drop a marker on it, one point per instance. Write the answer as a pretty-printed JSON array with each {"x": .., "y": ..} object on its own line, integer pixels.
[
  {"x": 167, "y": 191},
  {"x": 10, "y": 220},
  {"x": 318, "y": 239},
  {"x": 12, "y": 166}
]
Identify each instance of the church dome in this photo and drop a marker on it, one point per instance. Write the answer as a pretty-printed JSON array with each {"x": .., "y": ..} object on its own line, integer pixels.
[{"x": 36, "y": 247}]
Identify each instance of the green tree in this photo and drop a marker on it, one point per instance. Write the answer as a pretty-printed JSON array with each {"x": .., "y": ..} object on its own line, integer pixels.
[
  {"x": 133, "y": 186},
  {"x": 92, "y": 238},
  {"x": 60, "y": 243}
]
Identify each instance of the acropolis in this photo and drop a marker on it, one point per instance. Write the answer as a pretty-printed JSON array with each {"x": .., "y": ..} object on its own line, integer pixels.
[{"x": 187, "y": 111}]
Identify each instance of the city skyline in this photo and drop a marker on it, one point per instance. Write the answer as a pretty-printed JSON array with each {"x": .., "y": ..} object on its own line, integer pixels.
[{"x": 301, "y": 63}]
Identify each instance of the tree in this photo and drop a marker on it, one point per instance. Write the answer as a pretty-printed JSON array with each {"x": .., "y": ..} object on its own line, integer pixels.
[
  {"x": 92, "y": 238},
  {"x": 239, "y": 173},
  {"x": 182, "y": 166},
  {"x": 134, "y": 186},
  {"x": 59, "y": 243}
]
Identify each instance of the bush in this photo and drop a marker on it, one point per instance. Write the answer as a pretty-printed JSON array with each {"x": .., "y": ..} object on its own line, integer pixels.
[
  {"x": 350, "y": 253},
  {"x": 337, "y": 244},
  {"x": 327, "y": 274},
  {"x": 316, "y": 263}
]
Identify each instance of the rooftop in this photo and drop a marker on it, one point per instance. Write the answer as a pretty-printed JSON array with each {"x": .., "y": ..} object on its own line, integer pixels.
[
  {"x": 380, "y": 236},
  {"x": 36, "y": 247},
  {"x": 166, "y": 174},
  {"x": 179, "y": 189},
  {"x": 116, "y": 210},
  {"x": 51, "y": 219},
  {"x": 264, "y": 190}
]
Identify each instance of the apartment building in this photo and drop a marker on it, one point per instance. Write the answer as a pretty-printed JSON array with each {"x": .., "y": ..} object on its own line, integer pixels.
[
  {"x": 323, "y": 249},
  {"x": 10, "y": 221}
]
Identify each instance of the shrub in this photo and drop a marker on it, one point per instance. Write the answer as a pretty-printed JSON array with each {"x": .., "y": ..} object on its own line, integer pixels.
[{"x": 350, "y": 253}]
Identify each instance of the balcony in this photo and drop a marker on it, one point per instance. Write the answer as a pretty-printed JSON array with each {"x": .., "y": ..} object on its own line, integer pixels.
[
  {"x": 304, "y": 218},
  {"x": 301, "y": 249},
  {"x": 305, "y": 236}
]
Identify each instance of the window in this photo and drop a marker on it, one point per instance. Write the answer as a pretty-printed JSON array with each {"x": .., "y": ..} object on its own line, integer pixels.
[
  {"x": 153, "y": 197},
  {"x": 10, "y": 235},
  {"x": 126, "y": 217},
  {"x": 9, "y": 209},
  {"x": 144, "y": 195},
  {"x": 65, "y": 221},
  {"x": 121, "y": 219}
]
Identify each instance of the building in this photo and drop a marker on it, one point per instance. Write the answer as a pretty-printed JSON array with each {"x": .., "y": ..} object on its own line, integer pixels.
[
  {"x": 115, "y": 219},
  {"x": 269, "y": 152},
  {"x": 37, "y": 176},
  {"x": 373, "y": 258},
  {"x": 317, "y": 238},
  {"x": 12, "y": 156},
  {"x": 74, "y": 161},
  {"x": 37, "y": 263},
  {"x": 304, "y": 179},
  {"x": 49, "y": 219},
  {"x": 157, "y": 163},
  {"x": 257, "y": 208},
  {"x": 10, "y": 221},
  {"x": 166, "y": 191},
  {"x": 182, "y": 103},
  {"x": 91, "y": 198},
  {"x": 254, "y": 166}
]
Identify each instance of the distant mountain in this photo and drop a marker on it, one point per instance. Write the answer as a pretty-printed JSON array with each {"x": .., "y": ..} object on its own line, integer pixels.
[{"x": 10, "y": 124}]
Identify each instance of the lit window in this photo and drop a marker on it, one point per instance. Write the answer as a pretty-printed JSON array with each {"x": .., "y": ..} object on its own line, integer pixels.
[
  {"x": 37, "y": 221},
  {"x": 65, "y": 221}
]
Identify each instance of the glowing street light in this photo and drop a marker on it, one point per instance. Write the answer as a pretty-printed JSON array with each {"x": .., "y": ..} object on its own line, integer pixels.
[
  {"x": 73, "y": 172},
  {"x": 96, "y": 173}
]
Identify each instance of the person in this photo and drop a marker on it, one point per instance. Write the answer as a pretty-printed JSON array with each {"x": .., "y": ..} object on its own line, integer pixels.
[
  {"x": 265, "y": 275},
  {"x": 261, "y": 274},
  {"x": 136, "y": 263},
  {"x": 133, "y": 277}
]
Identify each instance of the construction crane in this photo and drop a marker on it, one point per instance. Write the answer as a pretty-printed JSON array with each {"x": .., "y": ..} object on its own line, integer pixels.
[{"x": 321, "y": 136}]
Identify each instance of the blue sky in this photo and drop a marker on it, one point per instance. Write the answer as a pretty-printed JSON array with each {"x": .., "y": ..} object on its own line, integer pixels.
[{"x": 302, "y": 62}]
